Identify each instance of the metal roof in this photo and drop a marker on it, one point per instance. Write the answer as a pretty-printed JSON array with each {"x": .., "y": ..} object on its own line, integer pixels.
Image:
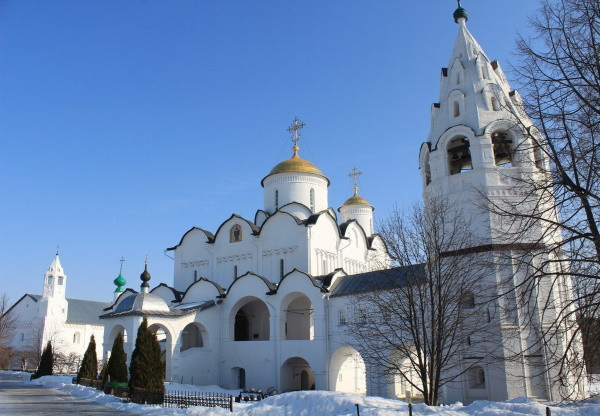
[
  {"x": 376, "y": 280},
  {"x": 85, "y": 311}
]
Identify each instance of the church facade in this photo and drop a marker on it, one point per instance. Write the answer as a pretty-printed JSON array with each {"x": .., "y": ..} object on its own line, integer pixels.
[{"x": 264, "y": 302}]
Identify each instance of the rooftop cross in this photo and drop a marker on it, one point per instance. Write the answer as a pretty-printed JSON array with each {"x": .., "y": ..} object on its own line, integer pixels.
[
  {"x": 121, "y": 269},
  {"x": 354, "y": 175},
  {"x": 57, "y": 247},
  {"x": 294, "y": 129}
]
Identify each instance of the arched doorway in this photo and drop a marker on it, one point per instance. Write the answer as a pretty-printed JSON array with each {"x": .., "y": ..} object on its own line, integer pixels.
[
  {"x": 347, "y": 372},
  {"x": 251, "y": 320},
  {"x": 296, "y": 374},
  {"x": 239, "y": 377},
  {"x": 108, "y": 343},
  {"x": 297, "y": 317}
]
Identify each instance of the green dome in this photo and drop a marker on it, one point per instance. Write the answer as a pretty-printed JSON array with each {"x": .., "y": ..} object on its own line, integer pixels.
[
  {"x": 119, "y": 282},
  {"x": 460, "y": 13}
]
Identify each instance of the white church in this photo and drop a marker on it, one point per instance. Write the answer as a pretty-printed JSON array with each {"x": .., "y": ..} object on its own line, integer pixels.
[{"x": 264, "y": 302}]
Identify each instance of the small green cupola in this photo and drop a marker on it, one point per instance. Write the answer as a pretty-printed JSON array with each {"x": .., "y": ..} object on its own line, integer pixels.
[
  {"x": 460, "y": 13},
  {"x": 120, "y": 281}
]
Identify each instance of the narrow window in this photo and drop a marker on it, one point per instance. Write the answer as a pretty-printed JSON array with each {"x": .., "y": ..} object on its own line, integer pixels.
[
  {"x": 312, "y": 199},
  {"x": 342, "y": 317},
  {"x": 468, "y": 300},
  {"x": 195, "y": 275},
  {"x": 468, "y": 341},
  {"x": 60, "y": 280},
  {"x": 489, "y": 316},
  {"x": 50, "y": 280},
  {"x": 538, "y": 156},
  {"x": 235, "y": 272},
  {"x": 362, "y": 316},
  {"x": 324, "y": 266},
  {"x": 483, "y": 73},
  {"x": 456, "y": 109},
  {"x": 22, "y": 337},
  {"x": 276, "y": 199},
  {"x": 502, "y": 149},
  {"x": 458, "y": 77},
  {"x": 281, "y": 268},
  {"x": 76, "y": 338},
  {"x": 495, "y": 104},
  {"x": 459, "y": 156}
]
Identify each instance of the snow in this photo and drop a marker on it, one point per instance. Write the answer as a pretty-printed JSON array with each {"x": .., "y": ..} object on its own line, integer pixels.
[{"x": 323, "y": 403}]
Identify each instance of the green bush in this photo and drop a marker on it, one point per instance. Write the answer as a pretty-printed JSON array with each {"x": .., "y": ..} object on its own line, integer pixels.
[
  {"x": 46, "y": 363},
  {"x": 116, "y": 369},
  {"x": 89, "y": 364},
  {"x": 146, "y": 370}
]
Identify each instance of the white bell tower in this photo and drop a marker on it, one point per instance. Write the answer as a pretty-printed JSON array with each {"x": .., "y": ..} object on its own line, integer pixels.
[
  {"x": 478, "y": 143},
  {"x": 55, "y": 279}
]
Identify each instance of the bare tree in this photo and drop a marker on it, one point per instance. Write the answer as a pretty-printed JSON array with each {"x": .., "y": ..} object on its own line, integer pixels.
[
  {"x": 430, "y": 310},
  {"x": 7, "y": 327},
  {"x": 554, "y": 208}
]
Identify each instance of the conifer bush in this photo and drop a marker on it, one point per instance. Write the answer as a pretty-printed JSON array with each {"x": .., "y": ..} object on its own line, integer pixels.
[
  {"x": 146, "y": 370},
  {"x": 116, "y": 369},
  {"x": 89, "y": 364},
  {"x": 46, "y": 363}
]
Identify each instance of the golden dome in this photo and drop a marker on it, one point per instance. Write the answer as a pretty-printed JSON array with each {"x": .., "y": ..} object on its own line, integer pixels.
[
  {"x": 296, "y": 164},
  {"x": 356, "y": 200}
]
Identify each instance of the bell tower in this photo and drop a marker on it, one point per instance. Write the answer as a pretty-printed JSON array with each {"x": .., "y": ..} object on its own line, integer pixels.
[{"x": 55, "y": 280}]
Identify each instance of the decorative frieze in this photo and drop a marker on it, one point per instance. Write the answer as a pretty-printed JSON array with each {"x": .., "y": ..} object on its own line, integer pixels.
[{"x": 276, "y": 251}]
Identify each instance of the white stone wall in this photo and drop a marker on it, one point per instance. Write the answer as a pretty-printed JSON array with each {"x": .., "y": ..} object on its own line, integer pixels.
[{"x": 295, "y": 187}]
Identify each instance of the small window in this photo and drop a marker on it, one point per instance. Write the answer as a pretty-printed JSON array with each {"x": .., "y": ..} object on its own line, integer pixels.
[
  {"x": 483, "y": 73},
  {"x": 468, "y": 300},
  {"x": 458, "y": 77},
  {"x": 60, "y": 280},
  {"x": 476, "y": 378},
  {"x": 22, "y": 337},
  {"x": 468, "y": 341},
  {"x": 235, "y": 234},
  {"x": 456, "y": 107},
  {"x": 235, "y": 272},
  {"x": 495, "y": 104},
  {"x": 538, "y": 156},
  {"x": 276, "y": 199},
  {"x": 312, "y": 199},
  {"x": 341, "y": 317},
  {"x": 362, "y": 316},
  {"x": 50, "y": 280},
  {"x": 195, "y": 275},
  {"x": 488, "y": 316},
  {"x": 76, "y": 338},
  {"x": 281, "y": 268}
]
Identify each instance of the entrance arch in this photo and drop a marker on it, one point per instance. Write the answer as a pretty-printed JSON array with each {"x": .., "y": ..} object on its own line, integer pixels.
[
  {"x": 250, "y": 320},
  {"x": 297, "y": 317},
  {"x": 347, "y": 371},
  {"x": 296, "y": 374},
  {"x": 238, "y": 375}
]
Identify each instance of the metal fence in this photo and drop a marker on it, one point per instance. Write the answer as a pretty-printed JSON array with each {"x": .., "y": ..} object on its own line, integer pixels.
[{"x": 182, "y": 399}]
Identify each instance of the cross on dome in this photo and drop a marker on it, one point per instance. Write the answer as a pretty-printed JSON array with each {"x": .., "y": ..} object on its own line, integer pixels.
[
  {"x": 354, "y": 175},
  {"x": 121, "y": 269},
  {"x": 294, "y": 130}
]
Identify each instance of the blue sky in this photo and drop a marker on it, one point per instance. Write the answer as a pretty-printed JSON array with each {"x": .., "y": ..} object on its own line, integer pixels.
[{"x": 125, "y": 123}]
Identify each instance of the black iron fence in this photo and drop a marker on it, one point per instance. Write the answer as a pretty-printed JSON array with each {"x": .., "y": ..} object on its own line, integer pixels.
[{"x": 182, "y": 399}]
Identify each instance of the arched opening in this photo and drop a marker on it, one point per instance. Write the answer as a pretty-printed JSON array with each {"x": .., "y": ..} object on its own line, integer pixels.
[
  {"x": 476, "y": 384},
  {"x": 192, "y": 336},
  {"x": 296, "y": 374},
  {"x": 60, "y": 280},
  {"x": 117, "y": 329},
  {"x": 347, "y": 372},
  {"x": 502, "y": 149},
  {"x": 298, "y": 317},
  {"x": 50, "y": 280},
  {"x": 459, "y": 156},
  {"x": 238, "y": 375},
  {"x": 456, "y": 109},
  {"x": 251, "y": 321},
  {"x": 404, "y": 380}
]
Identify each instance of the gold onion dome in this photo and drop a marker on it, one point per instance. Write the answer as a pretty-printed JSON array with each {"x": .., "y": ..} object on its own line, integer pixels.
[
  {"x": 357, "y": 200},
  {"x": 296, "y": 164}
]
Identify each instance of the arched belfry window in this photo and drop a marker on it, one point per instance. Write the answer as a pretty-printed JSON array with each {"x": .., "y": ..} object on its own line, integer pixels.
[
  {"x": 456, "y": 109},
  {"x": 60, "y": 280},
  {"x": 312, "y": 199},
  {"x": 459, "y": 156},
  {"x": 502, "y": 149},
  {"x": 235, "y": 233},
  {"x": 50, "y": 280}
]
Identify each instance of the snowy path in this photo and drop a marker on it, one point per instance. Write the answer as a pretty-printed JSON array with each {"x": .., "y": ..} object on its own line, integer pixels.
[{"x": 18, "y": 398}]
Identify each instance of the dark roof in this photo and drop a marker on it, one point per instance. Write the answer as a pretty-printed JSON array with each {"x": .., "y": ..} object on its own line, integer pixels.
[
  {"x": 376, "y": 280},
  {"x": 85, "y": 311}
]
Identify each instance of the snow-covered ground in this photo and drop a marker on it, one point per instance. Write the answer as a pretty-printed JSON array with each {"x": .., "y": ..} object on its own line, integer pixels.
[{"x": 324, "y": 403}]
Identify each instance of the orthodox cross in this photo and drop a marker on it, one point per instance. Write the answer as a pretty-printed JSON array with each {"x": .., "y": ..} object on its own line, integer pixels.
[
  {"x": 146, "y": 262},
  {"x": 294, "y": 130},
  {"x": 458, "y": 3},
  {"x": 57, "y": 247},
  {"x": 354, "y": 175},
  {"x": 121, "y": 269}
]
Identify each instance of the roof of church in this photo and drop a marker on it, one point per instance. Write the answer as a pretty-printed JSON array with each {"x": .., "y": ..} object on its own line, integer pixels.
[
  {"x": 80, "y": 311},
  {"x": 374, "y": 281}
]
